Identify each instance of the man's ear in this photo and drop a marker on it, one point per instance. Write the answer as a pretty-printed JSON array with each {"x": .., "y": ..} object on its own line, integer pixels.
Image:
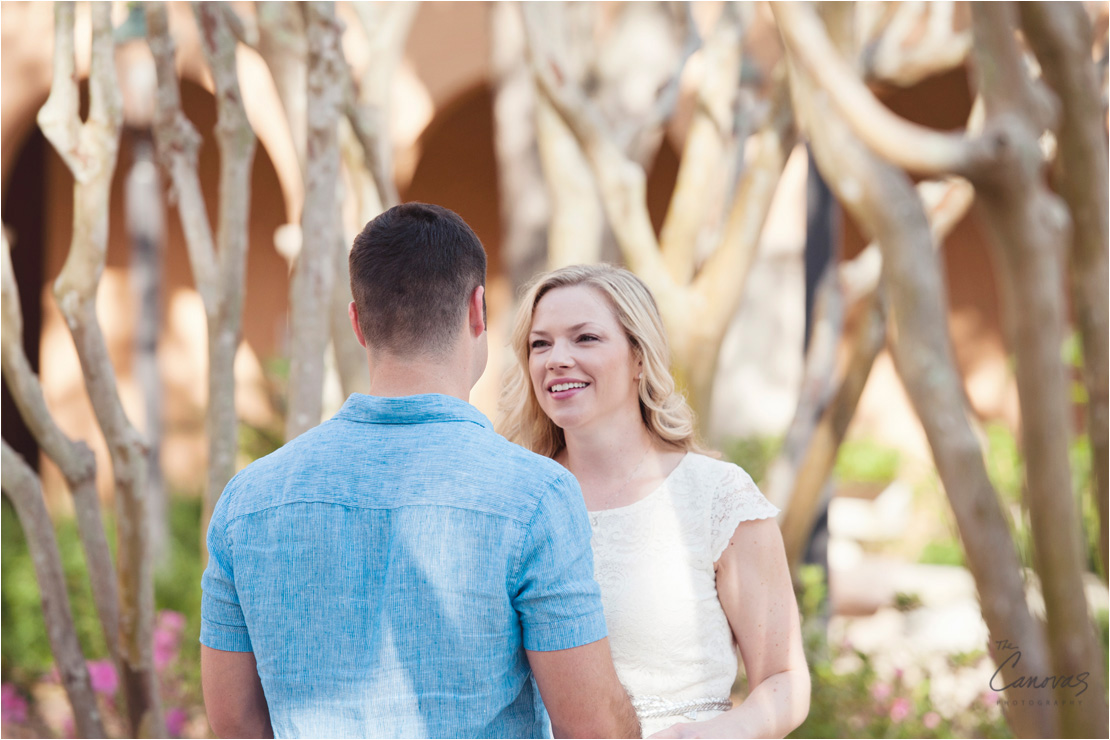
[
  {"x": 352, "y": 311},
  {"x": 476, "y": 311}
]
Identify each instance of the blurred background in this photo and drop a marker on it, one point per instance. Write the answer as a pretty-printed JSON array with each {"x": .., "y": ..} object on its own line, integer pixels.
[{"x": 874, "y": 258}]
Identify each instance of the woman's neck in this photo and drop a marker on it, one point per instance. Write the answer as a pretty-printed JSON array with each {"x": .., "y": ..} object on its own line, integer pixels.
[{"x": 605, "y": 452}]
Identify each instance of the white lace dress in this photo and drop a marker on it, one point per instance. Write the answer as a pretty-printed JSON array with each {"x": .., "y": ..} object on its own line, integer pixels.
[{"x": 671, "y": 642}]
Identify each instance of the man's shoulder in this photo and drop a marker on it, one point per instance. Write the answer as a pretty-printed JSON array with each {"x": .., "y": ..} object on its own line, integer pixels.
[{"x": 513, "y": 455}]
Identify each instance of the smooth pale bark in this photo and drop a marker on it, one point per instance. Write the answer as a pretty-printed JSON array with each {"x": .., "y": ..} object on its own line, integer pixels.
[
  {"x": 915, "y": 148},
  {"x": 696, "y": 312},
  {"x": 282, "y": 45},
  {"x": 1029, "y": 226},
  {"x": 917, "y": 42},
  {"x": 387, "y": 27},
  {"x": 366, "y": 151},
  {"x": 575, "y": 228},
  {"x": 310, "y": 294},
  {"x": 797, "y": 476},
  {"x": 702, "y": 171},
  {"x": 525, "y": 205},
  {"x": 75, "y": 460},
  {"x": 882, "y": 200},
  {"x": 1060, "y": 34},
  {"x": 632, "y": 94},
  {"x": 22, "y": 488},
  {"x": 146, "y": 227},
  {"x": 89, "y": 149}
]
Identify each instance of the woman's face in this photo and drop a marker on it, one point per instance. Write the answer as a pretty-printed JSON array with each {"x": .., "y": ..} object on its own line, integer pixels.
[{"x": 580, "y": 361}]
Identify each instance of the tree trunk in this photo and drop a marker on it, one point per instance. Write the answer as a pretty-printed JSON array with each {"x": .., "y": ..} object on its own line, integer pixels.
[
  {"x": 1060, "y": 34},
  {"x": 90, "y": 151},
  {"x": 883, "y": 202},
  {"x": 22, "y": 488},
  {"x": 1029, "y": 225},
  {"x": 313, "y": 276},
  {"x": 525, "y": 206},
  {"x": 75, "y": 460},
  {"x": 147, "y": 228}
]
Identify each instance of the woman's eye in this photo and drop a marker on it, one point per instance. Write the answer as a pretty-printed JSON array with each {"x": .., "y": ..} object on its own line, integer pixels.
[
  {"x": 587, "y": 338},
  {"x": 538, "y": 343}
]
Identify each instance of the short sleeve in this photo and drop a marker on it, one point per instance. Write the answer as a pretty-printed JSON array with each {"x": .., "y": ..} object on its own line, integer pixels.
[
  {"x": 222, "y": 626},
  {"x": 735, "y": 499},
  {"x": 554, "y": 592}
]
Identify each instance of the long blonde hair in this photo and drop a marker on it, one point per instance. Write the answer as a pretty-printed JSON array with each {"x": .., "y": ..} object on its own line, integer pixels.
[{"x": 664, "y": 410}]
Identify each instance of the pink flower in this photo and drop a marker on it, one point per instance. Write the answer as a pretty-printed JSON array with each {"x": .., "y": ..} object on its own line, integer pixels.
[
  {"x": 13, "y": 707},
  {"x": 898, "y": 673},
  {"x": 931, "y": 720},
  {"x": 171, "y": 620},
  {"x": 165, "y": 648},
  {"x": 880, "y": 691},
  {"x": 102, "y": 674},
  {"x": 900, "y": 709},
  {"x": 175, "y": 721},
  {"x": 990, "y": 698}
]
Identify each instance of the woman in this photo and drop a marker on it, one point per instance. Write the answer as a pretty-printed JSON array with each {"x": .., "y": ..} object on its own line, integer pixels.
[{"x": 686, "y": 549}]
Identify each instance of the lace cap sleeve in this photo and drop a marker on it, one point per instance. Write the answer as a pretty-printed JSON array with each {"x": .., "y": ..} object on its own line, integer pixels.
[{"x": 735, "y": 499}]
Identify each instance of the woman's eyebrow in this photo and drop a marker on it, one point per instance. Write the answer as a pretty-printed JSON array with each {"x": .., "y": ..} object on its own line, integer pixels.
[{"x": 576, "y": 327}]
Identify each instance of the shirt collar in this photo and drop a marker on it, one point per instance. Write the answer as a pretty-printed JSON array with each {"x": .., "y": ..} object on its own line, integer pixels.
[{"x": 426, "y": 408}]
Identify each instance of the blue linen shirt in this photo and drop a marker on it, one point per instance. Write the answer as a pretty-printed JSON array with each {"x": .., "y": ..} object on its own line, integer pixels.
[{"x": 389, "y": 568}]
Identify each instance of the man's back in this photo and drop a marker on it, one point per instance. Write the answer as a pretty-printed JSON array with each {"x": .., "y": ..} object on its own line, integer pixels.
[{"x": 389, "y": 568}]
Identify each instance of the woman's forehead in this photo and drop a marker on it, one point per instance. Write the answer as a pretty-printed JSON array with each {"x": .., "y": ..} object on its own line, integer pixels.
[{"x": 571, "y": 305}]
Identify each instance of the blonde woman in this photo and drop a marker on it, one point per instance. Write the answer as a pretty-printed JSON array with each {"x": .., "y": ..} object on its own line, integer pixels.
[{"x": 686, "y": 549}]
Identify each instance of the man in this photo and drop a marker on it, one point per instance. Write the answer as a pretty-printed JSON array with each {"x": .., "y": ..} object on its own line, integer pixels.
[{"x": 401, "y": 570}]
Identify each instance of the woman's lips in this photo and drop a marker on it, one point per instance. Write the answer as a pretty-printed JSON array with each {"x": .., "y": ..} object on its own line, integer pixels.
[{"x": 567, "y": 389}]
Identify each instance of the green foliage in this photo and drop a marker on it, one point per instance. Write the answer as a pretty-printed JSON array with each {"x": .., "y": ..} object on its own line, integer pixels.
[
  {"x": 1006, "y": 467},
  {"x": 25, "y": 651},
  {"x": 26, "y": 655},
  {"x": 753, "y": 454},
  {"x": 866, "y": 461},
  {"x": 850, "y": 699},
  {"x": 942, "y": 552},
  {"x": 904, "y": 602}
]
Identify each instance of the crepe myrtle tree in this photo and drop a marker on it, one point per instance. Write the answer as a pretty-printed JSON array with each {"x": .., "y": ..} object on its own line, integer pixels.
[{"x": 867, "y": 154}]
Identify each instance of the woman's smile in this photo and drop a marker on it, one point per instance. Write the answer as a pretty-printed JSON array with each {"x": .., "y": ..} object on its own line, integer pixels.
[{"x": 580, "y": 361}]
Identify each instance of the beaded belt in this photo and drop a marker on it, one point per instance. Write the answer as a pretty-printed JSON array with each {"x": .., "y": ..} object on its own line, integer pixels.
[{"x": 652, "y": 707}]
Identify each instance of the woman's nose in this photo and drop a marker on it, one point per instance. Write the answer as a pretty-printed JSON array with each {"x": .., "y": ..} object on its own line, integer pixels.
[{"x": 559, "y": 356}]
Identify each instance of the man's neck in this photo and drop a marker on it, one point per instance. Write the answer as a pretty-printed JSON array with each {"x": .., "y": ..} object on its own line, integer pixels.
[{"x": 392, "y": 377}]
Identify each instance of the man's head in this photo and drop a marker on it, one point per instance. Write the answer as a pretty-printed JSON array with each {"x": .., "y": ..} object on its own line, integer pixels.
[{"x": 416, "y": 271}]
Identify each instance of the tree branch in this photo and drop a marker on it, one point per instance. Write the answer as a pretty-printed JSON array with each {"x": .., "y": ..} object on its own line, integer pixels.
[
  {"x": 721, "y": 279},
  {"x": 893, "y": 58},
  {"x": 21, "y": 485},
  {"x": 313, "y": 275},
  {"x": 916, "y": 148},
  {"x": 621, "y": 182},
  {"x": 74, "y": 459},
  {"x": 178, "y": 143},
  {"x": 706, "y": 143},
  {"x": 883, "y": 202},
  {"x": 236, "y": 141},
  {"x": 1061, "y": 37},
  {"x": 75, "y": 291},
  {"x": 1029, "y": 224}
]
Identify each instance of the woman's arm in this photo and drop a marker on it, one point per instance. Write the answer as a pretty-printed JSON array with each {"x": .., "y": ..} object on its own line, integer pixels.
[{"x": 753, "y": 584}]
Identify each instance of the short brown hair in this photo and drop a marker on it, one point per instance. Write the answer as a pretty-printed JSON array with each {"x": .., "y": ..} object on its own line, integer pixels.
[{"x": 413, "y": 268}]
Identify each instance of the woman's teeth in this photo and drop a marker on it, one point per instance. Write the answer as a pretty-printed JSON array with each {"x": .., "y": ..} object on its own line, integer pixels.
[{"x": 566, "y": 386}]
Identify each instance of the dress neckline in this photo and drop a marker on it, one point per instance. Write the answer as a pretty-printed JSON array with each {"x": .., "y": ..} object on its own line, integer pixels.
[{"x": 654, "y": 492}]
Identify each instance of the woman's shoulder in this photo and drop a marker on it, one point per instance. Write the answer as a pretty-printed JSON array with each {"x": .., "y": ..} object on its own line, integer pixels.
[
  {"x": 706, "y": 468},
  {"x": 729, "y": 495}
]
